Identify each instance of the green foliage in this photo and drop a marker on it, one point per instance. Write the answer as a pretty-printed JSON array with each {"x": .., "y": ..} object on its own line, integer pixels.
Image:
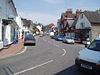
[
  {"x": 69, "y": 11},
  {"x": 33, "y": 31},
  {"x": 98, "y": 10}
]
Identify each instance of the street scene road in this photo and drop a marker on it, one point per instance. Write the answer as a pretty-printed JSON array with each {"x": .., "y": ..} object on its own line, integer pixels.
[
  {"x": 48, "y": 57},
  {"x": 49, "y": 37}
]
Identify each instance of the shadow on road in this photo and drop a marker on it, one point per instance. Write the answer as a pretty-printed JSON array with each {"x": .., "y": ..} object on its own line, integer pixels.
[
  {"x": 73, "y": 70},
  {"x": 30, "y": 44}
]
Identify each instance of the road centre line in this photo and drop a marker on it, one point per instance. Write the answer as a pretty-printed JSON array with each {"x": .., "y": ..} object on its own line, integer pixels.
[
  {"x": 22, "y": 51},
  {"x": 33, "y": 67},
  {"x": 64, "y": 52}
]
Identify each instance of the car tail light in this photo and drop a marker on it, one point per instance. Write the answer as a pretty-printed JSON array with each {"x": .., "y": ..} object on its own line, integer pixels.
[
  {"x": 98, "y": 64},
  {"x": 77, "y": 58}
]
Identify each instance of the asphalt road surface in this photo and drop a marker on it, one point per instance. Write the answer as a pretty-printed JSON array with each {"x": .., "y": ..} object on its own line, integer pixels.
[{"x": 48, "y": 57}]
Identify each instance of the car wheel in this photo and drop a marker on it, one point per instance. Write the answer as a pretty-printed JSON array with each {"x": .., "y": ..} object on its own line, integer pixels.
[
  {"x": 63, "y": 41},
  {"x": 24, "y": 44},
  {"x": 79, "y": 68}
]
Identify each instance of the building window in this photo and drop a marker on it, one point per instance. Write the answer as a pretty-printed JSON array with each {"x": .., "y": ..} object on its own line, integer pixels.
[
  {"x": 82, "y": 16},
  {"x": 82, "y": 25}
]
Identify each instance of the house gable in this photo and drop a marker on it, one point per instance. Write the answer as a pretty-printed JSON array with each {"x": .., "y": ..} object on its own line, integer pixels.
[
  {"x": 82, "y": 22},
  {"x": 7, "y": 9}
]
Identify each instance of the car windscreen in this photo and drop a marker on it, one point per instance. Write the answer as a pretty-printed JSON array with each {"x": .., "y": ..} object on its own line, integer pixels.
[
  {"x": 29, "y": 37},
  {"x": 69, "y": 37},
  {"x": 95, "y": 45}
]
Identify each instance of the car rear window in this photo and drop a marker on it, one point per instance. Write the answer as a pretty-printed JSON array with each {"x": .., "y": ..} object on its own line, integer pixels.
[{"x": 29, "y": 37}]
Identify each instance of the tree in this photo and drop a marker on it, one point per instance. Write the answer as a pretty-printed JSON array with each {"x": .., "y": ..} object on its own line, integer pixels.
[{"x": 98, "y": 10}]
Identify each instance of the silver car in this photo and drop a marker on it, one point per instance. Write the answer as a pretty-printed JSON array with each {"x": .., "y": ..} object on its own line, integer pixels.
[{"x": 69, "y": 40}]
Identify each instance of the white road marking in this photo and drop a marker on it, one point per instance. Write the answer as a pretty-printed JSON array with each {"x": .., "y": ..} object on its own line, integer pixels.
[
  {"x": 56, "y": 46},
  {"x": 22, "y": 51},
  {"x": 14, "y": 54},
  {"x": 33, "y": 67},
  {"x": 64, "y": 52}
]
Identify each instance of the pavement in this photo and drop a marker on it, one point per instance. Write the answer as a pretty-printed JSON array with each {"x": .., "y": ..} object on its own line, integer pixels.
[{"x": 12, "y": 49}]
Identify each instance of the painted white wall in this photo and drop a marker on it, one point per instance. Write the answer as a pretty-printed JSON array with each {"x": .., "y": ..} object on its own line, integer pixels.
[
  {"x": 20, "y": 33},
  {"x": 19, "y": 21},
  {"x": 1, "y": 43},
  {"x": 39, "y": 27},
  {"x": 20, "y": 24},
  {"x": 0, "y": 32},
  {"x": 7, "y": 11},
  {"x": 0, "y": 29},
  {"x": 83, "y": 20},
  {"x": 8, "y": 34}
]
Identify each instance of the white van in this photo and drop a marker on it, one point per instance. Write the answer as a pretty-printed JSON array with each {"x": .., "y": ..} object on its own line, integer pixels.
[{"x": 89, "y": 58}]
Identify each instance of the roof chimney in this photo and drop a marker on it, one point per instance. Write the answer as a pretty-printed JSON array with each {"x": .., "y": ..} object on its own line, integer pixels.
[{"x": 69, "y": 11}]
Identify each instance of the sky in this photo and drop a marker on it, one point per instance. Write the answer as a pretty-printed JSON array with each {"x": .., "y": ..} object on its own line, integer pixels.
[{"x": 49, "y": 11}]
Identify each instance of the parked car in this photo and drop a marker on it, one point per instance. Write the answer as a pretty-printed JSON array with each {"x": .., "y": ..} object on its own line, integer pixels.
[
  {"x": 87, "y": 42},
  {"x": 68, "y": 40},
  {"x": 29, "y": 40},
  {"x": 59, "y": 38},
  {"x": 41, "y": 35},
  {"x": 53, "y": 37},
  {"x": 89, "y": 58}
]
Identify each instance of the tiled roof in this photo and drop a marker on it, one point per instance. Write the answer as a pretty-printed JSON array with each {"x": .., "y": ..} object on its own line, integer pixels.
[{"x": 93, "y": 17}]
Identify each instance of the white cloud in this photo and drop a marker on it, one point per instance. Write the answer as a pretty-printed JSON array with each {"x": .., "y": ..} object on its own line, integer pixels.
[
  {"x": 40, "y": 17},
  {"x": 53, "y": 1}
]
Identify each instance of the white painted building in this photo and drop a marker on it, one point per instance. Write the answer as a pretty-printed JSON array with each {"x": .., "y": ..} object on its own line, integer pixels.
[
  {"x": 20, "y": 24},
  {"x": 1, "y": 43},
  {"x": 8, "y": 26},
  {"x": 87, "y": 25},
  {"x": 39, "y": 27}
]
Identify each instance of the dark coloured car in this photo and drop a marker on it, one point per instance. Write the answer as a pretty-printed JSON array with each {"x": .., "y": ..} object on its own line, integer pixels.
[
  {"x": 59, "y": 38},
  {"x": 29, "y": 40}
]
